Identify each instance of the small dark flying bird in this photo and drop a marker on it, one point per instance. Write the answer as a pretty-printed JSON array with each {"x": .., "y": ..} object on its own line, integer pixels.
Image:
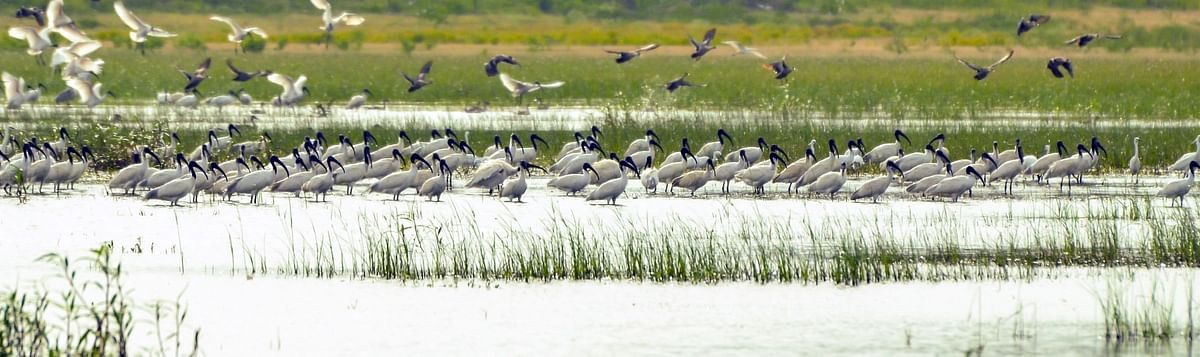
[
  {"x": 421, "y": 81},
  {"x": 195, "y": 77},
  {"x": 1061, "y": 62},
  {"x": 1031, "y": 22},
  {"x": 491, "y": 66},
  {"x": 1085, "y": 39},
  {"x": 626, "y": 56},
  {"x": 703, "y": 47},
  {"x": 983, "y": 72}
]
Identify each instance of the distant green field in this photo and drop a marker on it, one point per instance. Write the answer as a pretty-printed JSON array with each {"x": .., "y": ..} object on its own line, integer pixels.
[{"x": 834, "y": 87}]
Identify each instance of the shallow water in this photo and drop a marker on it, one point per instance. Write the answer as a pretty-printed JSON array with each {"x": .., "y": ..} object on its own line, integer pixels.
[{"x": 213, "y": 255}]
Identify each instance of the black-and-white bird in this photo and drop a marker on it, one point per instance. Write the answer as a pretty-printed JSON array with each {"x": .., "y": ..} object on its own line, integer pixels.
[
  {"x": 780, "y": 68},
  {"x": 677, "y": 83},
  {"x": 1057, "y": 64},
  {"x": 1029, "y": 23},
  {"x": 194, "y": 78},
  {"x": 242, "y": 76},
  {"x": 491, "y": 67},
  {"x": 983, "y": 72},
  {"x": 626, "y": 56},
  {"x": 422, "y": 79},
  {"x": 34, "y": 13},
  {"x": 703, "y": 47},
  {"x": 1084, "y": 39}
]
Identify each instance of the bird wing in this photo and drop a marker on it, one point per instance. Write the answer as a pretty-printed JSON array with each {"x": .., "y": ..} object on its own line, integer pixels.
[
  {"x": 649, "y": 47},
  {"x": 1074, "y": 40},
  {"x": 708, "y": 36},
  {"x": 755, "y": 53},
  {"x": 321, "y": 4},
  {"x": 128, "y": 17},
  {"x": 300, "y": 83},
  {"x": 512, "y": 84},
  {"x": 23, "y": 33},
  {"x": 229, "y": 63},
  {"x": 425, "y": 70},
  {"x": 1002, "y": 60},
  {"x": 204, "y": 66},
  {"x": 350, "y": 18},
  {"x": 83, "y": 88},
  {"x": 282, "y": 80},
  {"x": 1070, "y": 68},
  {"x": 1039, "y": 19},
  {"x": 968, "y": 64},
  {"x": 228, "y": 21},
  {"x": 12, "y": 86},
  {"x": 71, "y": 34},
  {"x": 84, "y": 48},
  {"x": 1114, "y": 37},
  {"x": 614, "y": 52},
  {"x": 1053, "y": 66},
  {"x": 694, "y": 43},
  {"x": 257, "y": 31},
  {"x": 737, "y": 46},
  {"x": 55, "y": 16},
  {"x": 553, "y": 84}
]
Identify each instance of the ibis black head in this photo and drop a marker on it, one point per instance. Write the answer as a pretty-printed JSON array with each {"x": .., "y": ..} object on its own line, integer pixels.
[{"x": 900, "y": 134}]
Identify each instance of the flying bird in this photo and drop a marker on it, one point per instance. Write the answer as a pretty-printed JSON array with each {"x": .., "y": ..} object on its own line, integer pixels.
[
  {"x": 422, "y": 79},
  {"x": 1085, "y": 39},
  {"x": 239, "y": 33},
  {"x": 1061, "y": 62},
  {"x": 983, "y": 72},
  {"x": 37, "y": 39},
  {"x": 293, "y": 90},
  {"x": 704, "y": 46},
  {"x": 491, "y": 67},
  {"x": 348, "y": 18},
  {"x": 1029, "y": 23},
  {"x": 677, "y": 83},
  {"x": 195, "y": 77},
  {"x": 33, "y": 12},
  {"x": 626, "y": 56},
  {"x": 242, "y": 76},
  {"x": 141, "y": 29},
  {"x": 780, "y": 68},
  {"x": 743, "y": 50}
]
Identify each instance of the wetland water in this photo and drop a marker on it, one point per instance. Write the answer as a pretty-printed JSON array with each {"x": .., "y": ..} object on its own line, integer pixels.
[{"x": 665, "y": 274}]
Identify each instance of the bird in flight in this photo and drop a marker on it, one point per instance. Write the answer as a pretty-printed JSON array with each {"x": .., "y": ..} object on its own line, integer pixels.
[
  {"x": 1061, "y": 62},
  {"x": 744, "y": 50},
  {"x": 626, "y": 56},
  {"x": 1084, "y": 39},
  {"x": 422, "y": 78},
  {"x": 1029, "y": 23},
  {"x": 983, "y": 72},
  {"x": 702, "y": 47}
]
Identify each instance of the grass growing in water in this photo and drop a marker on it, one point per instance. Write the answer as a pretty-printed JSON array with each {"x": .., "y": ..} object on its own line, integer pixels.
[{"x": 92, "y": 316}]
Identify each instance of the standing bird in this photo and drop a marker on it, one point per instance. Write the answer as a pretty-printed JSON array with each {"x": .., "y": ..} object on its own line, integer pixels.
[
  {"x": 194, "y": 78},
  {"x": 491, "y": 66},
  {"x": 515, "y": 188},
  {"x": 829, "y": 183},
  {"x": 1084, "y": 39},
  {"x": 626, "y": 56},
  {"x": 1135, "y": 162},
  {"x": 1029, "y": 23},
  {"x": 421, "y": 81},
  {"x": 677, "y": 83},
  {"x": 983, "y": 72},
  {"x": 1179, "y": 188},
  {"x": 744, "y": 50},
  {"x": 876, "y": 187},
  {"x": 883, "y": 151},
  {"x": 358, "y": 100},
  {"x": 322, "y": 183},
  {"x": 703, "y": 47},
  {"x": 242, "y": 76},
  {"x": 348, "y": 18},
  {"x": 611, "y": 189},
  {"x": 1060, "y": 62},
  {"x": 780, "y": 68},
  {"x": 433, "y": 187},
  {"x": 239, "y": 33},
  {"x": 179, "y": 188},
  {"x": 140, "y": 28},
  {"x": 955, "y": 186}
]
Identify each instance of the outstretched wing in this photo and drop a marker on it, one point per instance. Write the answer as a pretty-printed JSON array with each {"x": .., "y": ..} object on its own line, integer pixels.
[
  {"x": 968, "y": 64},
  {"x": 511, "y": 84},
  {"x": 1113, "y": 37},
  {"x": 257, "y": 31},
  {"x": 425, "y": 70},
  {"x": 648, "y": 47},
  {"x": 204, "y": 66},
  {"x": 708, "y": 36},
  {"x": 281, "y": 80},
  {"x": 227, "y": 21},
  {"x": 1002, "y": 60},
  {"x": 553, "y": 84},
  {"x": 737, "y": 46},
  {"x": 84, "y": 48},
  {"x": 55, "y": 17},
  {"x": 1039, "y": 19},
  {"x": 1074, "y": 40},
  {"x": 12, "y": 86},
  {"x": 350, "y": 19},
  {"x": 229, "y": 63},
  {"x": 128, "y": 17},
  {"x": 321, "y": 4}
]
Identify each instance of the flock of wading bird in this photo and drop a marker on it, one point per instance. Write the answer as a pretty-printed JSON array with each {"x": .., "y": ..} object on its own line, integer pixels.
[
  {"x": 80, "y": 72},
  {"x": 316, "y": 165}
]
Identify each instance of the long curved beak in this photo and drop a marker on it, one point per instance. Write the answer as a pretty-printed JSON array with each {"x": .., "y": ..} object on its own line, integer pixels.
[
  {"x": 538, "y": 167},
  {"x": 721, "y": 133},
  {"x": 900, "y": 134}
]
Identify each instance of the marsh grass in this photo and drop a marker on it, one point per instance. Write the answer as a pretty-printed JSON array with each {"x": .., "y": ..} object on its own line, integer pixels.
[
  {"x": 844, "y": 251},
  {"x": 93, "y": 315},
  {"x": 1148, "y": 315}
]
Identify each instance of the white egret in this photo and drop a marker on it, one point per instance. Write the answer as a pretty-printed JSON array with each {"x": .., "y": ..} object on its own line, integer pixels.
[{"x": 1135, "y": 162}]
